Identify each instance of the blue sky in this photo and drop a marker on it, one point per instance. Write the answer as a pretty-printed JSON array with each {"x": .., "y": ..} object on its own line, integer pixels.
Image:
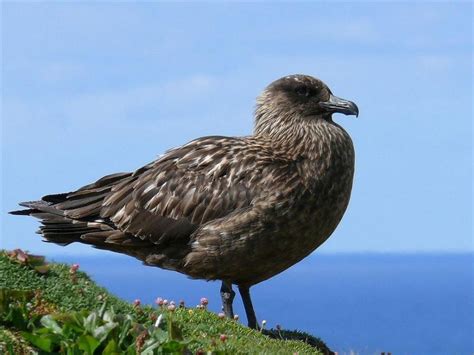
[{"x": 95, "y": 88}]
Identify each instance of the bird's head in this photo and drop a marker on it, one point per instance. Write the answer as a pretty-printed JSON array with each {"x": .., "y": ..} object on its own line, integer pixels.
[{"x": 299, "y": 97}]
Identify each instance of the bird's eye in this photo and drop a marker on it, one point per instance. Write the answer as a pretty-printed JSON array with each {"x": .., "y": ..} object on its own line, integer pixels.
[{"x": 302, "y": 91}]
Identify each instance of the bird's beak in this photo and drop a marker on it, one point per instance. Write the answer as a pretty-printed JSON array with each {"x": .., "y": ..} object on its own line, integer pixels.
[{"x": 336, "y": 104}]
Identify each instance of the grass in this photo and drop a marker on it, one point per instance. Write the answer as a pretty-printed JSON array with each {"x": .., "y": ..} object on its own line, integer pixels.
[{"x": 63, "y": 293}]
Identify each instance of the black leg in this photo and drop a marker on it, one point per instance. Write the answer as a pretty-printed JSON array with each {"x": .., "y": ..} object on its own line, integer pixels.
[
  {"x": 251, "y": 318},
  {"x": 227, "y": 295}
]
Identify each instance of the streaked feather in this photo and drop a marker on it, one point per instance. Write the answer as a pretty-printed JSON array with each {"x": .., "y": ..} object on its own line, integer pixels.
[{"x": 234, "y": 208}]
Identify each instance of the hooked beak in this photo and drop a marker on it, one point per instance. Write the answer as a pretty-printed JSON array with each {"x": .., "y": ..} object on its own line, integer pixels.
[{"x": 336, "y": 104}]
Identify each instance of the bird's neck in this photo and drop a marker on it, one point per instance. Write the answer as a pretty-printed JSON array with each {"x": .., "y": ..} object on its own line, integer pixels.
[{"x": 303, "y": 137}]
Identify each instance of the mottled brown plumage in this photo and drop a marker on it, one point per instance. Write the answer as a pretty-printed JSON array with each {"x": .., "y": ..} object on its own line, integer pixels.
[{"x": 236, "y": 209}]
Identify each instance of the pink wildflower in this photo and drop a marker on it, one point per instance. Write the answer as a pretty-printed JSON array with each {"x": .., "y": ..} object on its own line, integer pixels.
[
  {"x": 74, "y": 268},
  {"x": 204, "y": 301}
]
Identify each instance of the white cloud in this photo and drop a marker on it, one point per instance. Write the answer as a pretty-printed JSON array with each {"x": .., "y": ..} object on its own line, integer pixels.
[
  {"x": 54, "y": 72},
  {"x": 357, "y": 31},
  {"x": 433, "y": 62},
  {"x": 117, "y": 104},
  {"x": 101, "y": 108}
]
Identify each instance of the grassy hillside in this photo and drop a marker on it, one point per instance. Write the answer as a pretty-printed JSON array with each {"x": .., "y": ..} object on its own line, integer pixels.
[{"x": 47, "y": 308}]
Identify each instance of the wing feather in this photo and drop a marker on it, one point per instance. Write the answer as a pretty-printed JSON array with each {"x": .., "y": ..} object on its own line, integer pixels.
[{"x": 206, "y": 179}]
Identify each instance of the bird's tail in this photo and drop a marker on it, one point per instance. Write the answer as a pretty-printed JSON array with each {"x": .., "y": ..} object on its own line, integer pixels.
[{"x": 75, "y": 216}]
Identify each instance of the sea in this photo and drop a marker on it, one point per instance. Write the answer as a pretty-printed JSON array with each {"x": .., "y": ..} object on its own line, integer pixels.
[{"x": 356, "y": 303}]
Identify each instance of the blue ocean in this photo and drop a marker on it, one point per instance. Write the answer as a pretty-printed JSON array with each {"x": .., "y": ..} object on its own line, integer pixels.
[{"x": 360, "y": 303}]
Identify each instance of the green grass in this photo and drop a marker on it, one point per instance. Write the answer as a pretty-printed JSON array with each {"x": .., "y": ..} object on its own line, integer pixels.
[{"x": 58, "y": 291}]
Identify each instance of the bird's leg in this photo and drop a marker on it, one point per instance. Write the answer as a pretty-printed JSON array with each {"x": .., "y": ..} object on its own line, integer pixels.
[
  {"x": 251, "y": 318},
  {"x": 227, "y": 295}
]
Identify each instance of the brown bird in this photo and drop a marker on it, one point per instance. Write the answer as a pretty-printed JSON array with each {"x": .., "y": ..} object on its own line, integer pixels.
[{"x": 235, "y": 209}]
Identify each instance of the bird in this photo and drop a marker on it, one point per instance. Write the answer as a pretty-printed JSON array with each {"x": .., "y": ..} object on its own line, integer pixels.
[{"x": 238, "y": 210}]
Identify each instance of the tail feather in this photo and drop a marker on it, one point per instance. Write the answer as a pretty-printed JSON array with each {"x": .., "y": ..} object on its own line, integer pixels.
[
  {"x": 21, "y": 212},
  {"x": 70, "y": 204},
  {"x": 67, "y": 217},
  {"x": 76, "y": 217},
  {"x": 56, "y": 198}
]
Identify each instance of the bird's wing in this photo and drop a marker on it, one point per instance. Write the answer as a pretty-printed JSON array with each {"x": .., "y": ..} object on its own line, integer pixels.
[{"x": 189, "y": 186}]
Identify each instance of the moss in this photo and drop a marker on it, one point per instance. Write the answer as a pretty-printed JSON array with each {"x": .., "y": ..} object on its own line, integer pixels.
[
  {"x": 11, "y": 342},
  {"x": 59, "y": 290},
  {"x": 57, "y": 286}
]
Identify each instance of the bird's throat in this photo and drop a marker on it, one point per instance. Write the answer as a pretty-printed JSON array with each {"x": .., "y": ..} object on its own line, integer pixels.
[{"x": 309, "y": 137}]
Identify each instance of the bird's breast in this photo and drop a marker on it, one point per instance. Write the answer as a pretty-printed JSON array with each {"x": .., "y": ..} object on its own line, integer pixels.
[
  {"x": 298, "y": 208},
  {"x": 327, "y": 174},
  {"x": 311, "y": 212}
]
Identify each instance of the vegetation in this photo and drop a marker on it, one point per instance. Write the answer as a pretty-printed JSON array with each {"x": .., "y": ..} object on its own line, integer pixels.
[{"x": 51, "y": 308}]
